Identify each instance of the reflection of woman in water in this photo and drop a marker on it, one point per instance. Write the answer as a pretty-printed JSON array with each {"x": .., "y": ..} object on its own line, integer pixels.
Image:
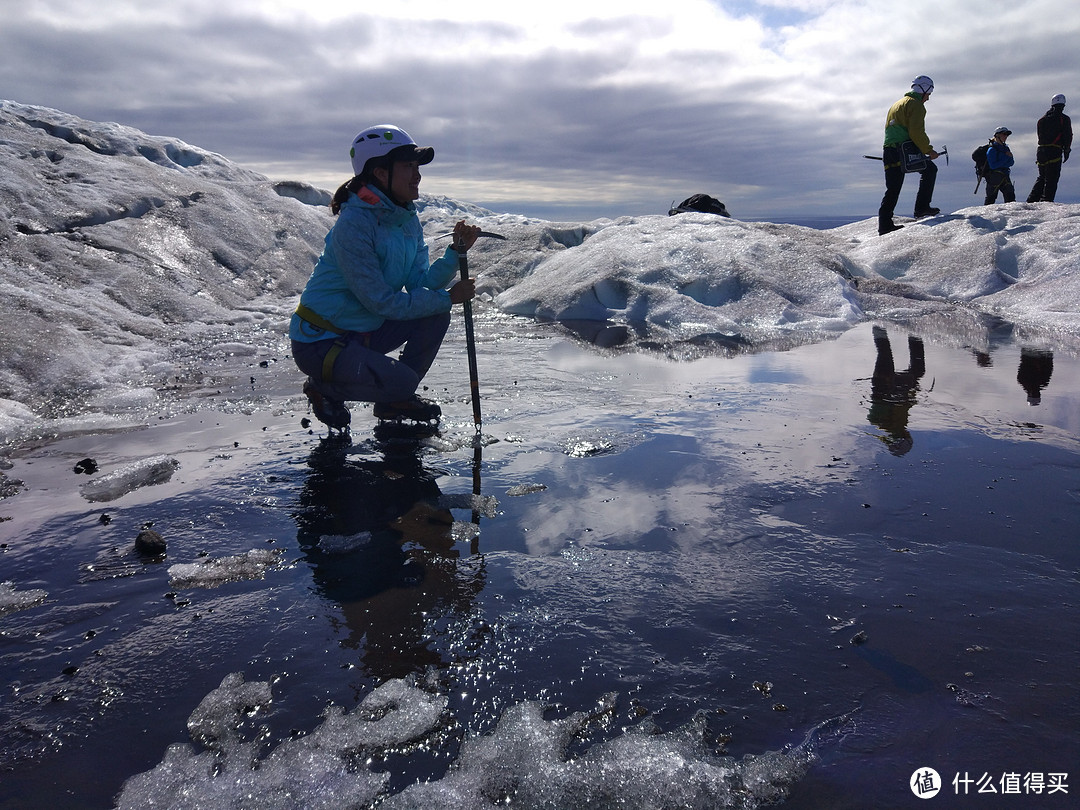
[
  {"x": 381, "y": 547},
  {"x": 1036, "y": 366},
  {"x": 892, "y": 392}
]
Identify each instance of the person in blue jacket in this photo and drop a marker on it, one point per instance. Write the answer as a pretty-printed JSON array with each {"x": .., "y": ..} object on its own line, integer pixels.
[
  {"x": 373, "y": 289},
  {"x": 999, "y": 161}
]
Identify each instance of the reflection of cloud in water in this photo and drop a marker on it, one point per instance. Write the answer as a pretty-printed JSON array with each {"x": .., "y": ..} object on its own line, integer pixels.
[
  {"x": 604, "y": 515},
  {"x": 624, "y": 499}
]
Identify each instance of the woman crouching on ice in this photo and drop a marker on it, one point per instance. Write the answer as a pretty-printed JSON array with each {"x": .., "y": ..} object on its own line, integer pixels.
[{"x": 373, "y": 290}]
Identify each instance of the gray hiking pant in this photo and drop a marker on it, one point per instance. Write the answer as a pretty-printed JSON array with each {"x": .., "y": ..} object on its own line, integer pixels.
[
  {"x": 996, "y": 181},
  {"x": 360, "y": 369},
  {"x": 894, "y": 182}
]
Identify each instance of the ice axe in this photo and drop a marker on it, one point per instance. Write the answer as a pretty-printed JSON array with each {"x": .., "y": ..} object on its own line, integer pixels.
[
  {"x": 944, "y": 151},
  {"x": 470, "y": 339}
]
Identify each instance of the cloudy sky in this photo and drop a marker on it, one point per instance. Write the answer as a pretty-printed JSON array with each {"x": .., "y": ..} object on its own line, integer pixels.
[{"x": 565, "y": 110}]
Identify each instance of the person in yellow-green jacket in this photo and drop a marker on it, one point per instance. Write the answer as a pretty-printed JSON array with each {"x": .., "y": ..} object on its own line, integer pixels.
[{"x": 906, "y": 121}]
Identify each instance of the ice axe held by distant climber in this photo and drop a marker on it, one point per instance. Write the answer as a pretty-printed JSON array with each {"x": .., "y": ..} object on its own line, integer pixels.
[{"x": 943, "y": 151}]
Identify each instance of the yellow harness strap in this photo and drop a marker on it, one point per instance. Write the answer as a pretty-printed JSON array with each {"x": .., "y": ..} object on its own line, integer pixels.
[
  {"x": 331, "y": 356},
  {"x": 1059, "y": 159},
  {"x": 317, "y": 320}
]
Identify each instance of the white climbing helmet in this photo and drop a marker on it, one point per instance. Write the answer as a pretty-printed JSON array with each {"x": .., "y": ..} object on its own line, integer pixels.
[
  {"x": 1058, "y": 99},
  {"x": 381, "y": 140},
  {"x": 924, "y": 84},
  {"x": 1000, "y": 130}
]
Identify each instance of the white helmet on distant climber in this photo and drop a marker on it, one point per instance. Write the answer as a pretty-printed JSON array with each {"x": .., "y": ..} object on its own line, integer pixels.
[
  {"x": 924, "y": 84},
  {"x": 379, "y": 141},
  {"x": 1058, "y": 99}
]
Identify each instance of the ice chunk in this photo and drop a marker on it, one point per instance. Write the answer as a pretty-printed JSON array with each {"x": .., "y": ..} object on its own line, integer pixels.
[
  {"x": 12, "y": 600},
  {"x": 220, "y": 714},
  {"x": 525, "y": 761},
  {"x": 688, "y": 280},
  {"x": 318, "y": 771},
  {"x": 463, "y": 531},
  {"x": 395, "y": 713},
  {"x": 214, "y": 571},
  {"x": 185, "y": 780},
  {"x": 14, "y": 417},
  {"x": 486, "y": 505},
  {"x": 130, "y": 477},
  {"x": 525, "y": 489},
  {"x": 343, "y": 543}
]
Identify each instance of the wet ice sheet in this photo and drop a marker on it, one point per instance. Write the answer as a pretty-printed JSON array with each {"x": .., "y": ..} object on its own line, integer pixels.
[
  {"x": 692, "y": 535},
  {"x": 741, "y": 511}
]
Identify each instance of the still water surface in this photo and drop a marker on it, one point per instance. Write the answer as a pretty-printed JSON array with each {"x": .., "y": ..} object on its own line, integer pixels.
[{"x": 766, "y": 543}]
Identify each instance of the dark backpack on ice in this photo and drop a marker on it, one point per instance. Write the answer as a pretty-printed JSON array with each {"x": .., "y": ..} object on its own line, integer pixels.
[
  {"x": 981, "y": 169},
  {"x": 701, "y": 203},
  {"x": 979, "y": 156}
]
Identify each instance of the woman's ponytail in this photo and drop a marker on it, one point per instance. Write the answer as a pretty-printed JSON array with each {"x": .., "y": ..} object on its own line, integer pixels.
[{"x": 351, "y": 186}]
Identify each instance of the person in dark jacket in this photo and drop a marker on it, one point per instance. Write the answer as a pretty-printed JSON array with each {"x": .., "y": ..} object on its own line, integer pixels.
[
  {"x": 1055, "y": 141},
  {"x": 999, "y": 161},
  {"x": 906, "y": 121}
]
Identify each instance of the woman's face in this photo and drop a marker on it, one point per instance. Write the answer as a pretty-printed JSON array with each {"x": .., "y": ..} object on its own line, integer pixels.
[{"x": 404, "y": 182}]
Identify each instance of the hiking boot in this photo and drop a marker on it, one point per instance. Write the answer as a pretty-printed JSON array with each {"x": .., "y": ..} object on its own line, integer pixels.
[
  {"x": 928, "y": 212},
  {"x": 330, "y": 412},
  {"x": 888, "y": 228},
  {"x": 414, "y": 408}
]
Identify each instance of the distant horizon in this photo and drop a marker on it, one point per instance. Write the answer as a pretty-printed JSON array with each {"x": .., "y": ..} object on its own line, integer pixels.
[{"x": 571, "y": 213}]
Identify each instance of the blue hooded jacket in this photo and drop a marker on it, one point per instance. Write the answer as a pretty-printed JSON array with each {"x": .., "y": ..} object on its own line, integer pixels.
[
  {"x": 374, "y": 268},
  {"x": 999, "y": 156}
]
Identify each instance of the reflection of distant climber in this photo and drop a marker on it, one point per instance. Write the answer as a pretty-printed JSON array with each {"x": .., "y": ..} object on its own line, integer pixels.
[
  {"x": 1036, "y": 366},
  {"x": 892, "y": 392}
]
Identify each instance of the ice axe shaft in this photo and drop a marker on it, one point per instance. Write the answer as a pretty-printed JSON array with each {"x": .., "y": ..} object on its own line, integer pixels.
[
  {"x": 470, "y": 347},
  {"x": 944, "y": 151},
  {"x": 470, "y": 334},
  {"x": 489, "y": 234}
]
